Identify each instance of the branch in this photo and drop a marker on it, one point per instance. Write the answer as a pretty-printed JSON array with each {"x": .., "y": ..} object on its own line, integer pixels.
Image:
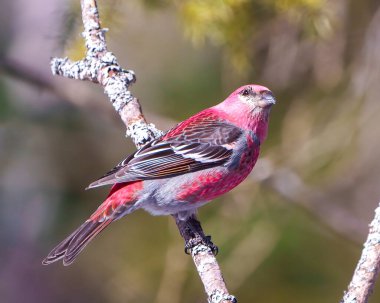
[
  {"x": 368, "y": 267},
  {"x": 202, "y": 251},
  {"x": 289, "y": 185},
  {"x": 211, "y": 275},
  {"x": 100, "y": 66}
]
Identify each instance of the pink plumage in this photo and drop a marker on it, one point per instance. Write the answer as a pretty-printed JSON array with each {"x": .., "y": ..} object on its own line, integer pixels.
[{"x": 198, "y": 160}]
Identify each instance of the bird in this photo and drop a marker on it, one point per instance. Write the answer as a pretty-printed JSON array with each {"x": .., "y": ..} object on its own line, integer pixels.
[{"x": 196, "y": 161}]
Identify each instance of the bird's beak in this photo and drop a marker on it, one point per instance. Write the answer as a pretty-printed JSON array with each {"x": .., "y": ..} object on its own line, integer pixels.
[{"x": 267, "y": 100}]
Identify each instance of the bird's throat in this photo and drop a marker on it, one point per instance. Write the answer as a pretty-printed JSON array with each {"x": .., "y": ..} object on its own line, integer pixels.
[{"x": 258, "y": 122}]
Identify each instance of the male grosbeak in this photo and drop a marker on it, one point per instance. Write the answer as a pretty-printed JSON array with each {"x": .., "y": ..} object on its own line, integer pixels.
[{"x": 198, "y": 160}]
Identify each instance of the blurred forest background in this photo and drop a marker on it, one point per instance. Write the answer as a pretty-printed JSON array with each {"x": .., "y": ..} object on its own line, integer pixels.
[{"x": 291, "y": 233}]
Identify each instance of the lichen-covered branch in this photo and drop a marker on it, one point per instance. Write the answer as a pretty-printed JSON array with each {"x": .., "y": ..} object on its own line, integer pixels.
[
  {"x": 367, "y": 270},
  {"x": 202, "y": 251},
  {"x": 211, "y": 275},
  {"x": 101, "y": 66}
]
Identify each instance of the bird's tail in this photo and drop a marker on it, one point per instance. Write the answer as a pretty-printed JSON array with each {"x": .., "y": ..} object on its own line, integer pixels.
[
  {"x": 110, "y": 210},
  {"x": 70, "y": 248}
]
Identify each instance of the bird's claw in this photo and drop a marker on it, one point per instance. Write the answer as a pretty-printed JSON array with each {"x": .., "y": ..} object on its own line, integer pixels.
[{"x": 193, "y": 242}]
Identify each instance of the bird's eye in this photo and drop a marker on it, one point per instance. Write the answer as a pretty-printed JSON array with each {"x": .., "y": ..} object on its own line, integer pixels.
[{"x": 245, "y": 92}]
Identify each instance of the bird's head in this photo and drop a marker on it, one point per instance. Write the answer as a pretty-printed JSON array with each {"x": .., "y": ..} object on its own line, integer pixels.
[
  {"x": 252, "y": 99},
  {"x": 255, "y": 96},
  {"x": 249, "y": 107}
]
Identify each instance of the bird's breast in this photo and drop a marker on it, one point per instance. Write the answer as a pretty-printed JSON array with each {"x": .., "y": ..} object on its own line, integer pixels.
[{"x": 209, "y": 184}]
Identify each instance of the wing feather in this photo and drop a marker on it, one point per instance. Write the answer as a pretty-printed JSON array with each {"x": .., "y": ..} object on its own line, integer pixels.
[{"x": 202, "y": 143}]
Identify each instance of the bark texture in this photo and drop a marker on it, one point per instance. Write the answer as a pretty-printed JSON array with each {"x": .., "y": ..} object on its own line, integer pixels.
[{"x": 367, "y": 270}]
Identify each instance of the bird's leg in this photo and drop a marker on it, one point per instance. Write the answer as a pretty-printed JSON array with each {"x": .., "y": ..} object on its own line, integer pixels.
[{"x": 192, "y": 232}]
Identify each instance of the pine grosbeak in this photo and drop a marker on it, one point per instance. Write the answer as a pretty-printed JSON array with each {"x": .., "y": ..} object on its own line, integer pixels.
[{"x": 198, "y": 160}]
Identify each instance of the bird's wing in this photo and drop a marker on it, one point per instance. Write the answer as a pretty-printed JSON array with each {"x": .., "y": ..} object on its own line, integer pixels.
[{"x": 193, "y": 145}]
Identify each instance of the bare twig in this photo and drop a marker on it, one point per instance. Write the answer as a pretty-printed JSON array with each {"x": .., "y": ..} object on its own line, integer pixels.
[
  {"x": 368, "y": 267},
  {"x": 101, "y": 66},
  {"x": 290, "y": 186},
  {"x": 27, "y": 74}
]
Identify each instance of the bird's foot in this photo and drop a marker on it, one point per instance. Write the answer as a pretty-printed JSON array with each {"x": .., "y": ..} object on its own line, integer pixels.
[
  {"x": 197, "y": 240},
  {"x": 192, "y": 232}
]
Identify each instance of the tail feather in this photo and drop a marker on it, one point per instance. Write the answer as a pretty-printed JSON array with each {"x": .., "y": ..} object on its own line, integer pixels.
[
  {"x": 120, "y": 202},
  {"x": 70, "y": 248}
]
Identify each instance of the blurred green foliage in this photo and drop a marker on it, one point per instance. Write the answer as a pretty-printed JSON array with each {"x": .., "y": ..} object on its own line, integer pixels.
[{"x": 233, "y": 24}]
